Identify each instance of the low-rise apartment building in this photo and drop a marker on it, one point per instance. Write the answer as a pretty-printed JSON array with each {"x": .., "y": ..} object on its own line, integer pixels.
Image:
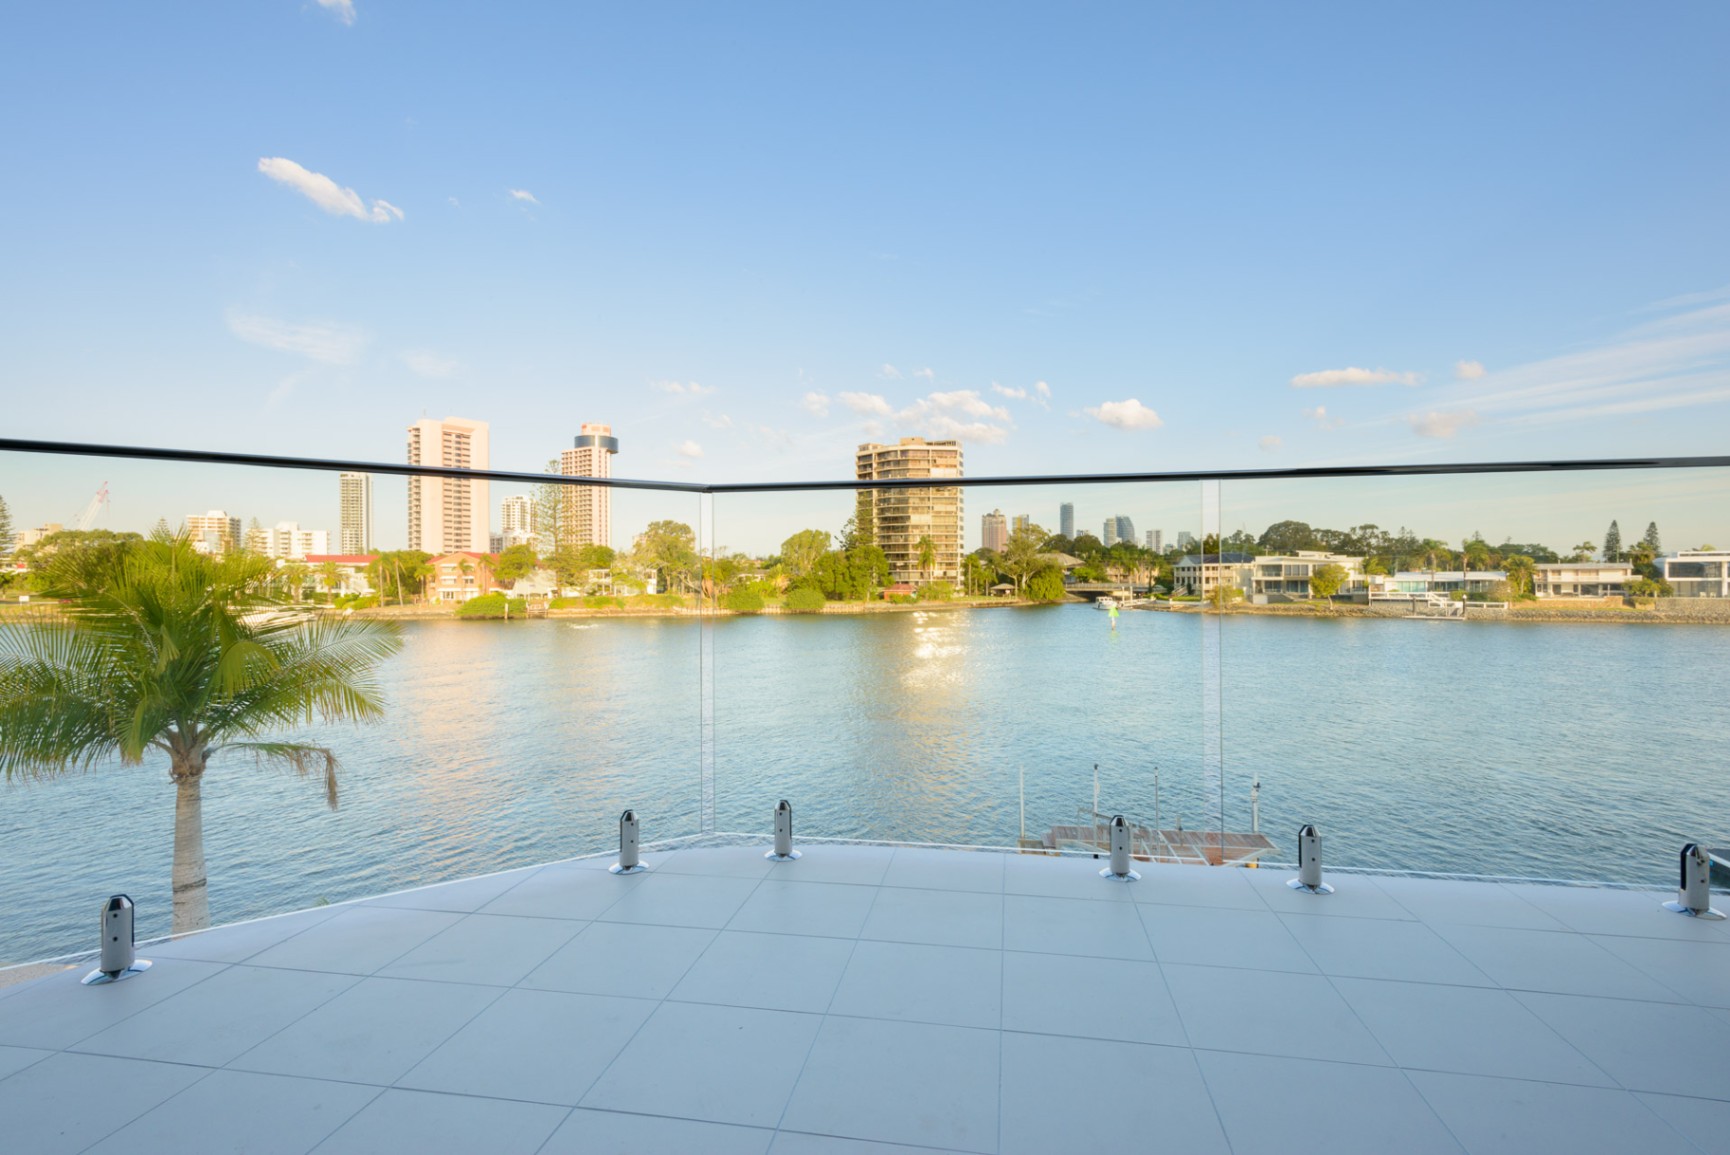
[
  {"x": 1198, "y": 574},
  {"x": 1699, "y": 573},
  {"x": 459, "y": 576},
  {"x": 1288, "y": 575},
  {"x": 1582, "y": 579}
]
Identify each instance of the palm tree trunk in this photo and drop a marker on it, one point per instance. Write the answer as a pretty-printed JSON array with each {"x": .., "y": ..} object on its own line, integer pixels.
[{"x": 191, "y": 895}]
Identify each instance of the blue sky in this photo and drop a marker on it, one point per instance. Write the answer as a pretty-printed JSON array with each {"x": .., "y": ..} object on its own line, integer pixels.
[{"x": 1082, "y": 238}]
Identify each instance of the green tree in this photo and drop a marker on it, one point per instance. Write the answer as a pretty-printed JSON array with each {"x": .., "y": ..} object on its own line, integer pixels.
[
  {"x": 800, "y": 552},
  {"x": 1651, "y": 540},
  {"x": 744, "y": 600},
  {"x": 1046, "y": 585},
  {"x": 862, "y": 530},
  {"x": 1286, "y": 537},
  {"x": 1326, "y": 580},
  {"x": 1021, "y": 555},
  {"x": 927, "y": 555},
  {"x": 804, "y": 600},
  {"x": 329, "y": 576},
  {"x": 670, "y": 549},
  {"x": 936, "y": 592},
  {"x": 164, "y": 649},
  {"x": 5, "y": 527},
  {"x": 517, "y": 561},
  {"x": 293, "y": 576},
  {"x": 399, "y": 573},
  {"x": 1613, "y": 543},
  {"x": 1521, "y": 570}
]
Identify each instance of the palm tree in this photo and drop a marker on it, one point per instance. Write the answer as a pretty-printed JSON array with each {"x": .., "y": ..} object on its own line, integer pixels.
[
  {"x": 927, "y": 554},
  {"x": 162, "y": 648}
]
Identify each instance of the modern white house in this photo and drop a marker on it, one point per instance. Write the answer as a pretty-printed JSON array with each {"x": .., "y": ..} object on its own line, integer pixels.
[
  {"x": 1200, "y": 574},
  {"x": 1699, "y": 573},
  {"x": 1288, "y": 575},
  {"x": 1420, "y": 583},
  {"x": 1584, "y": 579}
]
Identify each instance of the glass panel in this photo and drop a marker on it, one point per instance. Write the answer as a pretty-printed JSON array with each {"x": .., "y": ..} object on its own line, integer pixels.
[{"x": 503, "y": 742}]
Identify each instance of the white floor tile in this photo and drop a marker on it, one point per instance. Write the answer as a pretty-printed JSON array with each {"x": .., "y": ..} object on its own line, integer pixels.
[
  {"x": 464, "y": 896},
  {"x": 240, "y": 1111},
  {"x": 15, "y": 1059},
  {"x": 1062, "y": 876},
  {"x": 230, "y": 944},
  {"x": 1602, "y": 910},
  {"x": 1644, "y": 1046},
  {"x": 1074, "y": 926},
  {"x": 811, "y": 908},
  {"x": 544, "y": 1046},
  {"x": 1468, "y": 1030},
  {"x": 1494, "y": 1116},
  {"x": 778, "y": 972},
  {"x": 799, "y": 1143},
  {"x": 943, "y": 918},
  {"x": 720, "y": 1064},
  {"x": 1437, "y": 901},
  {"x": 1213, "y": 886},
  {"x": 851, "y": 865},
  {"x": 1269, "y": 1013},
  {"x": 928, "y": 869},
  {"x": 357, "y": 940},
  {"x": 588, "y": 1132},
  {"x": 1093, "y": 998},
  {"x": 221, "y": 1018},
  {"x": 56, "y": 1012},
  {"x": 51, "y": 1106},
  {"x": 900, "y": 1083},
  {"x": 915, "y": 982},
  {"x": 565, "y": 892},
  {"x": 1558, "y": 962},
  {"x": 1379, "y": 949},
  {"x": 1698, "y": 971},
  {"x": 681, "y": 900},
  {"x": 374, "y": 1032},
  {"x": 1705, "y": 1121},
  {"x": 1067, "y": 1094},
  {"x": 1354, "y": 896},
  {"x": 413, "y": 1121},
  {"x": 607, "y": 958},
  {"x": 1223, "y": 937},
  {"x": 716, "y": 862},
  {"x": 492, "y": 950},
  {"x": 1275, "y": 1106}
]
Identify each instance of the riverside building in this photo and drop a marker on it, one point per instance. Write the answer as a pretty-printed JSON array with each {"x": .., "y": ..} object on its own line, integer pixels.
[
  {"x": 214, "y": 532},
  {"x": 993, "y": 531},
  {"x": 354, "y": 527},
  {"x": 901, "y": 517},
  {"x": 586, "y": 511},
  {"x": 448, "y": 514}
]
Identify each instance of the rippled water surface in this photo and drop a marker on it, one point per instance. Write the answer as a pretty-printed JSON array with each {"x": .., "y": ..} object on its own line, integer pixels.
[{"x": 1558, "y": 751}]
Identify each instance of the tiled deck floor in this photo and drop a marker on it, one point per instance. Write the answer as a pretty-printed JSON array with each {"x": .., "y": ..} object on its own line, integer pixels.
[{"x": 863, "y": 998}]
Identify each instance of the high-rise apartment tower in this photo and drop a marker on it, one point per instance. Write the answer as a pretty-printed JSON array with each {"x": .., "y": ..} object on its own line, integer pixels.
[
  {"x": 213, "y": 532},
  {"x": 1066, "y": 520},
  {"x": 354, "y": 528},
  {"x": 447, "y": 515},
  {"x": 993, "y": 531},
  {"x": 586, "y": 511},
  {"x": 516, "y": 521},
  {"x": 901, "y": 517}
]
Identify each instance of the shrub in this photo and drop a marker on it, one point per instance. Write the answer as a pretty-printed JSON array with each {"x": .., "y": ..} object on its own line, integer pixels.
[
  {"x": 805, "y": 600},
  {"x": 936, "y": 592},
  {"x": 902, "y": 600},
  {"x": 492, "y": 606},
  {"x": 1046, "y": 585},
  {"x": 744, "y": 601}
]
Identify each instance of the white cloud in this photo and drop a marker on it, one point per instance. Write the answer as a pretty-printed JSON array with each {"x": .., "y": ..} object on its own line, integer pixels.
[
  {"x": 889, "y": 371},
  {"x": 455, "y": 203},
  {"x": 717, "y": 421},
  {"x": 1270, "y": 443},
  {"x": 429, "y": 364},
  {"x": 816, "y": 404},
  {"x": 1042, "y": 393},
  {"x": 523, "y": 194},
  {"x": 1320, "y": 416},
  {"x": 690, "y": 449},
  {"x": 326, "y": 193},
  {"x": 1468, "y": 370},
  {"x": 343, "y": 10},
  {"x": 1330, "y": 378},
  {"x": 325, "y": 341},
  {"x": 1130, "y": 414},
  {"x": 928, "y": 374},
  {"x": 866, "y": 403},
  {"x": 1440, "y": 424},
  {"x": 1006, "y": 391},
  {"x": 683, "y": 388}
]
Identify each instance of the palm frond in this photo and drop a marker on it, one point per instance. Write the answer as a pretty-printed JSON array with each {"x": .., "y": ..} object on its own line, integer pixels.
[{"x": 304, "y": 760}]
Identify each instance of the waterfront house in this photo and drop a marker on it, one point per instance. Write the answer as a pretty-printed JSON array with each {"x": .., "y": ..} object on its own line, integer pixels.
[
  {"x": 1587, "y": 579},
  {"x": 1288, "y": 575},
  {"x": 1201, "y": 574},
  {"x": 1420, "y": 583},
  {"x": 457, "y": 577},
  {"x": 350, "y": 571},
  {"x": 1699, "y": 573}
]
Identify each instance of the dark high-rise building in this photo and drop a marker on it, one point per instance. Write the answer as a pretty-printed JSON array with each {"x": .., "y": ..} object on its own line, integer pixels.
[{"x": 1066, "y": 519}]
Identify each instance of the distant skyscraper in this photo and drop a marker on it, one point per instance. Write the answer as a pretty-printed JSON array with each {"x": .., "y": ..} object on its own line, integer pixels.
[
  {"x": 354, "y": 528},
  {"x": 1022, "y": 521},
  {"x": 1156, "y": 541},
  {"x": 900, "y": 517},
  {"x": 1108, "y": 532},
  {"x": 993, "y": 532},
  {"x": 1185, "y": 539},
  {"x": 586, "y": 511},
  {"x": 213, "y": 532},
  {"x": 1066, "y": 519},
  {"x": 516, "y": 521},
  {"x": 288, "y": 541},
  {"x": 448, "y": 515},
  {"x": 1125, "y": 529}
]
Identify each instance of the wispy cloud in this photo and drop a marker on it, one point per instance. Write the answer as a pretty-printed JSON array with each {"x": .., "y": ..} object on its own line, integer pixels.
[
  {"x": 690, "y": 449},
  {"x": 1130, "y": 414},
  {"x": 816, "y": 404},
  {"x": 1270, "y": 443},
  {"x": 326, "y": 193},
  {"x": 1320, "y": 416},
  {"x": 867, "y": 404},
  {"x": 324, "y": 341},
  {"x": 682, "y": 388},
  {"x": 956, "y": 413},
  {"x": 889, "y": 372},
  {"x": 928, "y": 374},
  {"x": 1468, "y": 370},
  {"x": 429, "y": 364},
  {"x": 343, "y": 10},
  {"x": 717, "y": 421},
  {"x": 1440, "y": 424},
  {"x": 523, "y": 194},
  {"x": 1007, "y": 391},
  {"x": 1333, "y": 378}
]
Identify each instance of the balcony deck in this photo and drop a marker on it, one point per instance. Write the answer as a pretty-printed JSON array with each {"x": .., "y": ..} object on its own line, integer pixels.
[{"x": 888, "y": 999}]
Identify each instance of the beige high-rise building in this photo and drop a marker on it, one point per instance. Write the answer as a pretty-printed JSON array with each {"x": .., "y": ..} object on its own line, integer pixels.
[
  {"x": 993, "y": 531},
  {"x": 354, "y": 532},
  {"x": 214, "y": 532},
  {"x": 586, "y": 511},
  {"x": 901, "y": 517},
  {"x": 448, "y": 514}
]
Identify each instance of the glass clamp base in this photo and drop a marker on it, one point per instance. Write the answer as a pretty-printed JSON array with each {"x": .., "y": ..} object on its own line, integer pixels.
[
  {"x": 1297, "y": 884},
  {"x": 1132, "y": 876},
  {"x": 788, "y": 857},
  {"x": 637, "y": 869},
  {"x": 1692, "y": 913},
  {"x": 97, "y": 977}
]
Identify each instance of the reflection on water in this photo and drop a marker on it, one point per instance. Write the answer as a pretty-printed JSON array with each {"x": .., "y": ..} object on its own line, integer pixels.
[{"x": 1554, "y": 751}]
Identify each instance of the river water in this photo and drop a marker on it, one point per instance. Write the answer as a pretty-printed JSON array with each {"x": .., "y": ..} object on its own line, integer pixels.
[{"x": 1589, "y": 752}]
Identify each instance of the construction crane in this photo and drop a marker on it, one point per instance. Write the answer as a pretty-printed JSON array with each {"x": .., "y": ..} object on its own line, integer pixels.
[{"x": 97, "y": 504}]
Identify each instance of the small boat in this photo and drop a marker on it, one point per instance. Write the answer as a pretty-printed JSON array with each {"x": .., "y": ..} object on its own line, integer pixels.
[{"x": 1105, "y": 604}]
